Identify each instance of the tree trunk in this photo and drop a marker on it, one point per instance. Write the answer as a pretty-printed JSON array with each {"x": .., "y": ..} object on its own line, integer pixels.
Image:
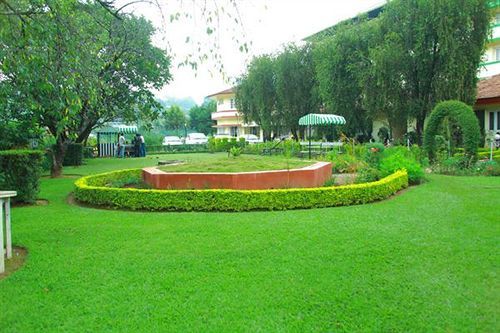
[
  {"x": 58, "y": 150},
  {"x": 84, "y": 133},
  {"x": 420, "y": 129}
]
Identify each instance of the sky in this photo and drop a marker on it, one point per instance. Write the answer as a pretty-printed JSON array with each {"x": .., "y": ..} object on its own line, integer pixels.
[{"x": 265, "y": 25}]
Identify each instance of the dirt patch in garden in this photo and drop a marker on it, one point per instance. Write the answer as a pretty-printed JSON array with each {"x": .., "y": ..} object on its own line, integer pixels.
[
  {"x": 70, "y": 200},
  {"x": 19, "y": 255},
  {"x": 65, "y": 176},
  {"x": 344, "y": 178},
  {"x": 38, "y": 202}
]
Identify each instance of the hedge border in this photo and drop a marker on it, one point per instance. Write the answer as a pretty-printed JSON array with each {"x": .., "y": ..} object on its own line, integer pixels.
[
  {"x": 20, "y": 170},
  {"x": 92, "y": 190}
]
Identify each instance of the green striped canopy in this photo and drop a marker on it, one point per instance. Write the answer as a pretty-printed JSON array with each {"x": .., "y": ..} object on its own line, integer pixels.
[
  {"x": 321, "y": 119},
  {"x": 126, "y": 129}
]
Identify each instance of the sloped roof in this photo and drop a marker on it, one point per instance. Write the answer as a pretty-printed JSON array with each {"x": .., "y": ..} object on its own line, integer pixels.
[
  {"x": 223, "y": 92},
  {"x": 489, "y": 87}
]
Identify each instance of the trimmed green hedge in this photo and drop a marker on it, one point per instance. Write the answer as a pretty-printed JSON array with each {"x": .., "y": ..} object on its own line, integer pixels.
[
  {"x": 20, "y": 171},
  {"x": 464, "y": 116},
  {"x": 92, "y": 190}
]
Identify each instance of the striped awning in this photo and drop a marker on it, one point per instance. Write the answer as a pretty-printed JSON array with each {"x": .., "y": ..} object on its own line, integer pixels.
[
  {"x": 321, "y": 119},
  {"x": 130, "y": 129}
]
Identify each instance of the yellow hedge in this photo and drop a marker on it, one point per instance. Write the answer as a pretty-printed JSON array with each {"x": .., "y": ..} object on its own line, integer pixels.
[{"x": 92, "y": 190}]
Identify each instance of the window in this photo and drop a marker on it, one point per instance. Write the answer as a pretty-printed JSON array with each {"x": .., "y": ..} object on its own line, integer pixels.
[
  {"x": 234, "y": 131},
  {"x": 220, "y": 101},
  {"x": 233, "y": 104},
  {"x": 494, "y": 123},
  {"x": 497, "y": 18},
  {"x": 497, "y": 54}
]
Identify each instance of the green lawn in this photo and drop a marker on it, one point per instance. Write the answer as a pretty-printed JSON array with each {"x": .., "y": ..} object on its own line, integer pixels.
[
  {"x": 424, "y": 261},
  {"x": 222, "y": 163}
]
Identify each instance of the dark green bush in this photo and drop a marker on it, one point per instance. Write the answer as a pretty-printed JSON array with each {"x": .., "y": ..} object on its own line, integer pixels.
[
  {"x": 74, "y": 154},
  {"x": 20, "y": 171},
  {"x": 464, "y": 116},
  {"x": 224, "y": 144},
  {"x": 398, "y": 161},
  {"x": 92, "y": 190}
]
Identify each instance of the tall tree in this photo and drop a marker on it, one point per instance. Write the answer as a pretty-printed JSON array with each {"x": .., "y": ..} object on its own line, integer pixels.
[
  {"x": 439, "y": 45},
  {"x": 341, "y": 62},
  {"x": 200, "y": 117},
  {"x": 382, "y": 93},
  {"x": 296, "y": 87},
  {"x": 256, "y": 94},
  {"x": 72, "y": 64}
]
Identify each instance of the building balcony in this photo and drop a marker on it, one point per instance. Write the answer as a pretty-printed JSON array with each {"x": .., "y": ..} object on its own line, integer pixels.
[
  {"x": 224, "y": 114},
  {"x": 489, "y": 69},
  {"x": 495, "y": 33}
]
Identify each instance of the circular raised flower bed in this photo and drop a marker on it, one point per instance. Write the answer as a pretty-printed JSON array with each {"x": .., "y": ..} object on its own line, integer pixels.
[{"x": 95, "y": 190}]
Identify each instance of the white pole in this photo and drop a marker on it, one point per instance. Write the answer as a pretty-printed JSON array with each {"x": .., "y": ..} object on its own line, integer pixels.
[
  {"x": 8, "y": 233},
  {"x": 491, "y": 150},
  {"x": 2, "y": 258}
]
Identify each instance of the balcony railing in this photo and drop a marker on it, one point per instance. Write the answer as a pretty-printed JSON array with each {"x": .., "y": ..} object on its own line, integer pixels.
[{"x": 224, "y": 114}]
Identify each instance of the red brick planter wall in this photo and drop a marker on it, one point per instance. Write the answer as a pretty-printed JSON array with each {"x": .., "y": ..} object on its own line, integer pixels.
[{"x": 311, "y": 176}]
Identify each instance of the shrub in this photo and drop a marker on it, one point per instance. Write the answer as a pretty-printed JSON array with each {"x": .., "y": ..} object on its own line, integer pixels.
[
  {"x": 463, "y": 115},
  {"x": 330, "y": 182},
  {"x": 343, "y": 163},
  {"x": 368, "y": 174},
  {"x": 488, "y": 168},
  {"x": 398, "y": 161},
  {"x": 235, "y": 151},
  {"x": 288, "y": 147},
  {"x": 224, "y": 144},
  {"x": 20, "y": 171},
  {"x": 74, "y": 154},
  {"x": 373, "y": 154},
  {"x": 91, "y": 190}
]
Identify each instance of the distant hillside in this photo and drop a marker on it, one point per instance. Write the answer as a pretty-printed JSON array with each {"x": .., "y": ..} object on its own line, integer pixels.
[{"x": 184, "y": 103}]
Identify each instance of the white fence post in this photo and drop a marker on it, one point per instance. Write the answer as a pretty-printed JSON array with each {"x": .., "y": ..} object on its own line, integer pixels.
[
  {"x": 8, "y": 232},
  {"x": 2, "y": 256},
  {"x": 5, "y": 204}
]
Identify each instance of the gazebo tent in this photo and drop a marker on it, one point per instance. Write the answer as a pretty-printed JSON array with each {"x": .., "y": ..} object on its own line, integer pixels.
[
  {"x": 107, "y": 138},
  {"x": 314, "y": 119}
]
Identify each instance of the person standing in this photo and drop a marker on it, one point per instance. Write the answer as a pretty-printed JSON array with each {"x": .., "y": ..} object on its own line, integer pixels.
[
  {"x": 143, "y": 146},
  {"x": 121, "y": 146},
  {"x": 137, "y": 145}
]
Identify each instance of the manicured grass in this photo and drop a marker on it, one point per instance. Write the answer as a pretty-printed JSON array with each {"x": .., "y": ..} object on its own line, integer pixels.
[
  {"x": 222, "y": 163},
  {"x": 424, "y": 261}
]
